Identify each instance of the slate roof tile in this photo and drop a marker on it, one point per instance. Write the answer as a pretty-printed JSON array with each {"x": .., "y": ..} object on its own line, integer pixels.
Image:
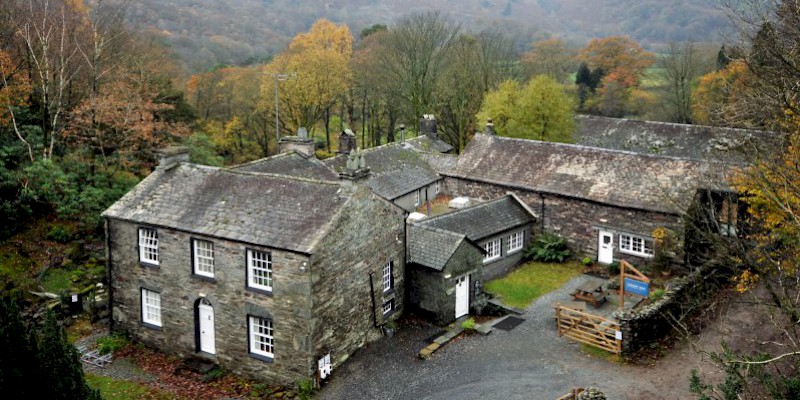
[
  {"x": 395, "y": 170},
  {"x": 483, "y": 220},
  {"x": 432, "y": 247},
  {"x": 613, "y": 177},
  {"x": 263, "y": 209},
  {"x": 293, "y": 164},
  {"x": 427, "y": 144}
]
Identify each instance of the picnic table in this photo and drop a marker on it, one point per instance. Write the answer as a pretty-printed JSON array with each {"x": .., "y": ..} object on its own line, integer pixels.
[{"x": 590, "y": 292}]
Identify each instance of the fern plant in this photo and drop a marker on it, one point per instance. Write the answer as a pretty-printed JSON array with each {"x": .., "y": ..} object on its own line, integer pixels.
[{"x": 548, "y": 247}]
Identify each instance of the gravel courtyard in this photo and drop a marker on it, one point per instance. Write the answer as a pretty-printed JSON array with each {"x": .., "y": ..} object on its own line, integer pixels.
[{"x": 529, "y": 362}]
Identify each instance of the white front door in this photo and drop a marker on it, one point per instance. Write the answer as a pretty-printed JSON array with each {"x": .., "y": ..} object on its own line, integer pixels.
[
  {"x": 462, "y": 296},
  {"x": 206, "y": 328},
  {"x": 605, "y": 247}
]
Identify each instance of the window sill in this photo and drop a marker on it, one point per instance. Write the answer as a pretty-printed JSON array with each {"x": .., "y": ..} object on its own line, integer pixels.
[
  {"x": 493, "y": 259},
  {"x": 389, "y": 314},
  {"x": 204, "y": 278},
  {"x": 514, "y": 251},
  {"x": 633, "y": 253},
  {"x": 145, "y": 264},
  {"x": 150, "y": 326},
  {"x": 260, "y": 357},
  {"x": 265, "y": 292},
  {"x": 388, "y": 292}
]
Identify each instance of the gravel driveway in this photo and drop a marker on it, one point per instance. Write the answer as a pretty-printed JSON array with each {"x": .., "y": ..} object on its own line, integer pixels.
[{"x": 529, "y": 362}]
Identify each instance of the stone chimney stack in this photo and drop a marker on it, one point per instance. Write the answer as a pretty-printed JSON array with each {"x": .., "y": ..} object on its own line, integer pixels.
[
  {"x": 489, "y": 127},
  {"x": 302, "y": 143},
  {"x": 427, "y": 126},
  {"x": 347, "y": 142},
  {"x": 171, "y": 156},
  {"x": 356, "y": 167}
]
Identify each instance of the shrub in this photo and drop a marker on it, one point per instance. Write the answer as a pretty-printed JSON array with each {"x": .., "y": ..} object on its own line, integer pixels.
[
  {"x": 656, "y": 294},
  {"x": 586, "y": 261},
  {"x": 548, "y": 248},
  {"x": 215, "y": 373},
  {"x": 60, "y": 234},
  {"x": 613, "y": 268},
  {"x": 305, "y": 388},
  {"x": 468, "y": 325},
  {"x": 111, "y": 343}
]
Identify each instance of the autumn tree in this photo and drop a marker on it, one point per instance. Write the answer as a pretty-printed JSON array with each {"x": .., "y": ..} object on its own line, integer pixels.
[
  {"x": 720, "y": 94},
  {"x": 317, "y": 67},
  {"x": 683, "y": 64},
  {"x": 552, "y": 57},
  {"x": 539, "y": 110}
]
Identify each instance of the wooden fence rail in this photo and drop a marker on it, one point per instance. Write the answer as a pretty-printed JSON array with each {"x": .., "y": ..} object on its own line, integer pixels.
[{"x": 589, "y": 328}]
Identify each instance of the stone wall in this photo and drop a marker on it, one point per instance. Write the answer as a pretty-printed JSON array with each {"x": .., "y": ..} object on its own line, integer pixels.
[
  {"x": 506, "y": 262},
  {"x": 288, "y": 306},
  {"x": 368, "y": 233},
  {"x": 648, "y": 324},
  {"x": 433, "y": 292},
  {"x": 576, "y": 220}
]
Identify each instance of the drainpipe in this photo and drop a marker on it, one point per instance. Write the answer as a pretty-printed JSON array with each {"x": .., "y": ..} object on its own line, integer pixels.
[
  {"x": 372, "y": 296},
  {"x": 541, "y": 196}
]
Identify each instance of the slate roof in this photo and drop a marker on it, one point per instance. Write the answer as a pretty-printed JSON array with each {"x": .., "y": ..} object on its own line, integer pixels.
[
  {"x": 680, "y": 140},
  {"x": 432, "y": 247},
  {"x": 291, "y": 163},
  {"x": 395, "y": 170},
  {"x": 440, "y": 162},
  {"x": 262, "y": 209},
  {"x": 425, "y": 143},
  {"x": 483, "y": 220},
  {"x": 613, "y": 177}
]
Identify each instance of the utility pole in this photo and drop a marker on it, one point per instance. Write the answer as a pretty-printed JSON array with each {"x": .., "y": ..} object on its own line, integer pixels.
[{"x": 279, "y": 77}]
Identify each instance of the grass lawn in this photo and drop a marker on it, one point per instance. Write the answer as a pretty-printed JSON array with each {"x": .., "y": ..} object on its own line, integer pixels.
[
  {"x": 116, "y": 389},
  {"x": 531, "y": 280}
]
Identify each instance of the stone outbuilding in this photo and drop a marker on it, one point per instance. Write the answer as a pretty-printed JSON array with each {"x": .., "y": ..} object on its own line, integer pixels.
[
  {"x": 261, "y": 273},
  {"x": 606, "y": 203}
]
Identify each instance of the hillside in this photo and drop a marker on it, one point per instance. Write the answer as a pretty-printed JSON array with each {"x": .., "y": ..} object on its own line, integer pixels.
[{"x": 210, "y": 32}]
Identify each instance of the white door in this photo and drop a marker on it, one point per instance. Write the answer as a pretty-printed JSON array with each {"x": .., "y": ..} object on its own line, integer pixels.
[
  {"x": 207, "y": 328},
  {"x": 605, "y": 248},
  {"x": 462, "y": 296}
]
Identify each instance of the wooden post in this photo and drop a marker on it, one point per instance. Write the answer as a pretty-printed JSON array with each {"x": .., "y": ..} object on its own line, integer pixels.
[
  {"x": 622, "y": 284},
  {"x": 558, "y": 320}
]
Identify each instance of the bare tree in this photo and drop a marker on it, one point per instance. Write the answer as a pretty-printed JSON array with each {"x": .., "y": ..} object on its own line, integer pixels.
[{"x": 683, "y": 63}]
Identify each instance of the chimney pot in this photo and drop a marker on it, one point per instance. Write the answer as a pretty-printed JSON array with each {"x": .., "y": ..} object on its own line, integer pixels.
[
  {"x": 171, "y": 156},
  {"x": 489, "y": 127},
  {"x": 427, "y": 126}
]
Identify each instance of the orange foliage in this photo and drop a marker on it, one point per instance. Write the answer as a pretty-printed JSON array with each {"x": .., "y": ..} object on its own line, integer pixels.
[
  {"x": 619, "y": 56},
  {"x": 717, "y": 91},
  {"x": 14, "y": 87}
]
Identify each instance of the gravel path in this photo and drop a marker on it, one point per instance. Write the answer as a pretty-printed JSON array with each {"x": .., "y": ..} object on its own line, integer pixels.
[
  {"x": 529, "y": 362},
  {"x": 120, "y": 368}
]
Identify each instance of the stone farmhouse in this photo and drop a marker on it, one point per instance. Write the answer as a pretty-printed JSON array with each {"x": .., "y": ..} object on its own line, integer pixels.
[
  {"x": 264, "y": 274},
  {"x": 281, "y": 268}
]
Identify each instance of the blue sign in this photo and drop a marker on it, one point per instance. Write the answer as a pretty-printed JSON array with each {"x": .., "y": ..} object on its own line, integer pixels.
[{"x": 637, "y": 287}]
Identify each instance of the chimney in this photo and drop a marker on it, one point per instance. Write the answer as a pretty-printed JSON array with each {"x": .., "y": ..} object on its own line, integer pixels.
[
  {"x": 489, "y": 127},
  {"x": 347, "y": 142},
  {"x": 402, "y": 133},
  {"x": 301, "y": 143},
  {"x": 356, "y": 167},
  {"x": 171, "y": 156},
  {"x": 427, "y": 126}
]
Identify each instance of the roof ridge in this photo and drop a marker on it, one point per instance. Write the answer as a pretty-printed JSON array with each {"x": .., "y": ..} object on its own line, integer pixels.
[
  {"x": 725, "y": 128},
  {"x": 603, "y": 150},
  {"x": 421, "y": 225},
  {"x": 262, "y": 159},
  {"x": 281, "y": 176}
]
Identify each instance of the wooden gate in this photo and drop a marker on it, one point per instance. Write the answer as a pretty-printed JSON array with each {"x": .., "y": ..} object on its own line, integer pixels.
[{"x": 588, "y": 328}]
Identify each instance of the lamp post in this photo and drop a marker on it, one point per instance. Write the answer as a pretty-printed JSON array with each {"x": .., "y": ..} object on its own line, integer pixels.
[{"x": 278, "y": 77}]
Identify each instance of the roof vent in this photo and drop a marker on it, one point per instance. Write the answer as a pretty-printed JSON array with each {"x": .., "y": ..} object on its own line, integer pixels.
[
  {"x": 415, "y": 216},
  {"x": 459, "y": 202}
]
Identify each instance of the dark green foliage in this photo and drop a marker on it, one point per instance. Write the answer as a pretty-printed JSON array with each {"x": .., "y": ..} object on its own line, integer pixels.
[
  {"x": 613, "y": 268},
  {"x": 60, "y": 233},
  {"x": 548, "y": 247},
  {"x": 111, "y": 343},
  {"x": 202, "y": 151},
  {"x": 375, "y": 28},
  {"x": 38, "y": 365}
]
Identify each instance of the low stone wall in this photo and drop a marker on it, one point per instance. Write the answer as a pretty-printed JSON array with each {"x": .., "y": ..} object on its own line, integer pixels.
[{"x": 648, "y": 324}]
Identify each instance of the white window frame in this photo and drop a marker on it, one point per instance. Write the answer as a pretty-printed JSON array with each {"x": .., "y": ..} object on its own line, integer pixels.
[
  {"x": 259, "y": 270},
  {"x": 438, "y": 187},
  {"x": 151, "y": 307},
  {"x": 418, "y": 200},
  {"x": 148, "y": 246},
  {"x": 203, "y": 258},
  {"x": 388, "y": 306},
  {"x": 636, "y": 245},
  {"x": 515, "y": 241},
  {"x": 262, "y": 336},
  {"x": 493, "y": 250},
  {"x": 387, "y": 276}
]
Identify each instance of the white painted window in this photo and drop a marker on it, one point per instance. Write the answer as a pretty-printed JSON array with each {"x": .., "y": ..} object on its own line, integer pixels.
[
  {"x": 262, "y": 340},
  {"x": 259, "y": 270},
  {"x": 514, "y": 242},
  {"x": 387, "y": 276},
  {"x": 418, "y": 199},
  {"x": 636, "y": 245},
  {"x": 438, "y": 187},
  {"x": 151, "y": 307},
  {"x": 492, "y": 249},
  {"x": 203, "y": 258},
  {"x": 388, "y": 306},
  {"x": 148, "y": 246}
]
